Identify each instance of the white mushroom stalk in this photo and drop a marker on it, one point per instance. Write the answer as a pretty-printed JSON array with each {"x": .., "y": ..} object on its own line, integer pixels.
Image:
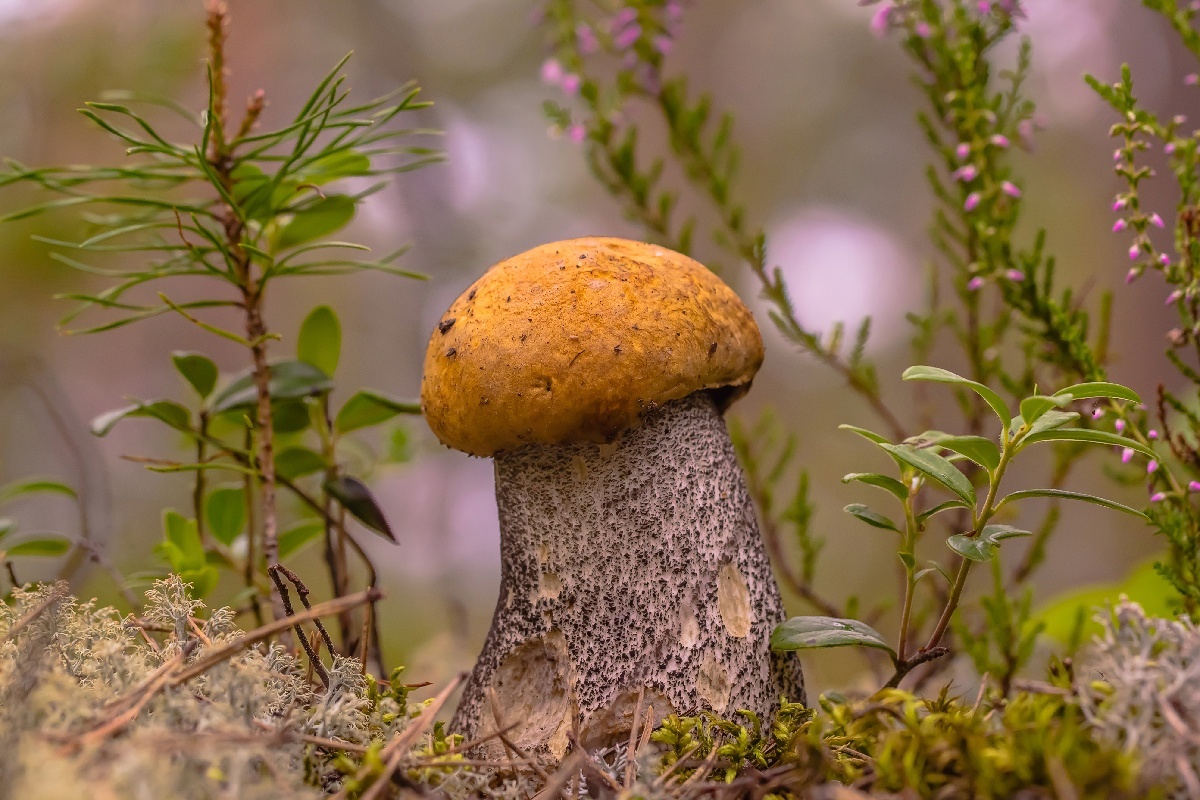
[{"x": 631, "y": 561}]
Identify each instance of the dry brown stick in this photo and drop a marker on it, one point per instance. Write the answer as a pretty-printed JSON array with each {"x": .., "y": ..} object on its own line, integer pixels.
[
  {"x": 633, "y": 732},
  {"x": 325, "y": 609},
  {"x": 303, "y": 592},
  {"x": 137, "y": 700},
  {"x": 55, "y": 595},
  {"x": 285, "y": 597},
  {"x": 497, "y": 717},
  {"x": 566, "y": 771}
]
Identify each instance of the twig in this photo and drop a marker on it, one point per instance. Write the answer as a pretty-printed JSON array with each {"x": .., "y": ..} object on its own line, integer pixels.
[
  {"x": 56, "y": 594},
  {"x": 285, "y": 596}
]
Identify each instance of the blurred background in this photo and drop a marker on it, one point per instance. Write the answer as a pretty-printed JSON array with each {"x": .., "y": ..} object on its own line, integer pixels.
[{"x": 833, "y": 168}]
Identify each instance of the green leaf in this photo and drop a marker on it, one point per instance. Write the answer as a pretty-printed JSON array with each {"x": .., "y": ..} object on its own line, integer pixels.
[
  {"x": 946, "y": 506},
  {"x": 982, "y": 451},
  {"x": 1032, "y": 408},
  {"x": 198, "y": 370},
  {"x": 7, "y": 526},
  {"x": 45, "y": 548},
  {"x": 870, "y": 517},
  {"x": 225, "y": 512},
  {"x": 884, "y": 482},
  {"x": 181, "y": 532},
  {"x": 938, "y": 375},
  {"x": 935, "y": 467},
  {"x": 1048, "y": 421},
  {"x": 167, "y": 411},
  {"x": 203, "y": 580},
  {"x": 366, "y": 408},
  {"x": 322, "y": 218},
  {"x": 17, "y": 489},
  {"x": 808, "y": 633},
  {"x": 289, "y": 380},
  {"x": 1086, "y": 391},
  {"x": 870, "y": 436},
  {"x": 356, "y": 498},
  {"x": 320, "y": 340},
  {"x": 1066, "y": 495},
  {"x": 983, "y": 547},
  {"x": 296, "y": 462},
  {"x": 330, "y": 167},
  {"x": 399, "y": 446},
  {"x": 290, "y": 416},
  {"x": 297, "y": 536},
  {"x": 1092, "y": 436},
  {"x": 1143, "y": 584}
]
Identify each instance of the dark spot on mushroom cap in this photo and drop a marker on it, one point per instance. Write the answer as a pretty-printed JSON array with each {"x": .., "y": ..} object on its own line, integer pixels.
[
  {"x": 471, "y": 296},
  {"x": 446, "y": 324},
  {"x": 712, "y": 349},
  {"x": 451, "y": 352}
]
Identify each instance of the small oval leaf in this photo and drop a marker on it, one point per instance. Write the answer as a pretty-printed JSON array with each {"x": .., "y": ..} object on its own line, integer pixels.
[
  {"x": 298, "y": 536},
  {"x": 1091, "y": 436},
  {"x": 322, "y": 218},
  {"x": 198, "y": 370},
  {"x": 296, "y": 462},
  {"x": 225, "y": 511},
  {"x": 356, "y": 498},
  {"x": 34, "y": 486},
  {"x": 289, "y": 380},
  {"x": 870, "y": 517},
  {"x": 1086, "y": 391},
  {"x": 885, "y": 482},
  {"x": 320, "y": 340},
  {"x": 935, "y": 467},
  {"x": 938, "y": 375},
  {"x": 808, "y": 633},
  {"x": 366, "y": 408},
  {"x": 1032, "y": 408},
  {"x": 1067, "y": 495},
  {"x": 44, "y": 548},
  {"x": 167, "y": 411}
]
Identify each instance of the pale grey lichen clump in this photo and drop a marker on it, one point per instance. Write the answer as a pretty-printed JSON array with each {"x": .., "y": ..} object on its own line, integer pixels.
[
  {"x": 635, "y": 567},
  {"x": 70, "y": 673},
  {"x": 1139, "y": 686}
]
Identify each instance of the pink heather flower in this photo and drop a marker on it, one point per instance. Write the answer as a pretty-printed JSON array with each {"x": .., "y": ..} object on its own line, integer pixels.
[
  {"x": 663, "y": 44},
  {"x": 1015, "y": 275},
  {"x": 674, "y": 10},
  {"x": 1173, "y": 297},
  {"x": 1165, "y": 260},
  {"x": 1126, "y": 455},
  {"x": 882, "y": 20},
  {"x": 627, "y": 36},
  {"x": 975, "y": 284},
  {"x": 1191, "y": 79},
  {"x": 1120, "y": 203},
  {"x": 1119, "y": 425},
  {"x": 1097, "y": 413},
  {"x": 1179, "y": 119},
  {"x": 1025, "y": 131},
  {"x": 571, "y": 83},
  {"x": 1158, "y": 497},
  {"x": 1134, "y": 251},
  {"x": 1132, "y": 275},
  {"x": 576, "y": 132},
  {"x": 985, "y": 7},
  {"x": 552, "y": 72},
  {"x": 962, "y": 151},
  {"x": 586, "y": 39},
  {"x": 966, "y": 174},
  {"x": 1000, "y": 140},
  {"x": 1119, "y": 226},
  {"x": 972, "y": 202},
  {"x": 624, "y": 17},
  {"x": 923, "y": 30},
  {"x": 1152, "y": 467},
  {"x": 1169, "y": 148},
  {"x": 1152, "y": 434},
  {"x": 1010, "y": 189},
  {"x": 1157, "y": 221},
  {"x": 1117, "y": 154},
  {"x": 1194, "y": 486}
]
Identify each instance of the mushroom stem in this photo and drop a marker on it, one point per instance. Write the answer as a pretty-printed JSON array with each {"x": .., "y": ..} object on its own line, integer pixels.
[{"x": 634, "y": 566}]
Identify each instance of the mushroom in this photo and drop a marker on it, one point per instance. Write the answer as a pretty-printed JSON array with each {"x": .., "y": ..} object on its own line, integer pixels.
[{"x": 595, "y": 373}]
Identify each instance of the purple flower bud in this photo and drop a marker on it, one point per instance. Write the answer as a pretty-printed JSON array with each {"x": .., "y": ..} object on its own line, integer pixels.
[
  {"x": 1120, "y": 203},
  {"x": 1131, "y": 276},
  {"x": 1134, "y": 251},
  {"x": 1119, "y": 225},
  {"x": 1015, "y": 275},
  {"x": 972, "y": 202},
  {"x": 1152, "y": 466},
  {"x": 1000, "y": 140},
  {"x": 1158, "y": 497},
  {"x": 962, "y": 151},
  {"x": 1157, "y": 221},
  {"x": 552, "y": 72},
  {"x": 1010, "y": 189},
  {"x": 985, "y": 6},
  {"x": 624, "y": 17},
  {"x": 1025, "y": 131},
  {"x": 1126, "y": 455},
  {"x": 663, "y": 44},
  {"x": 923, "y": 30},
  {"x": 1119, "y": 425},
  {"x": 882, "y": 20},
  {"x": 571, "y": 83},
  {"x": 1117, "y": 154},
  {"x": 576, "y": 132},
  {"x": 586, "y": 38},
  {"x": 1194, "y": 486},
  {"x": 1152, "y": 434},
  {"x": 1097, "y": 413},
  {"x": 975, "y": 284},
  {"x": 1191, "y": 79},
  {"x": 1179, "y": 119},
  {"x": 674, "y": 10},
  {"x": 627, "y": 36},
  {"x": 1173, "y": 297},
  {"x": 1169, "y": 148},
  {"x": 1165, "y": 260},
  {"x": 966, "y": 174}
]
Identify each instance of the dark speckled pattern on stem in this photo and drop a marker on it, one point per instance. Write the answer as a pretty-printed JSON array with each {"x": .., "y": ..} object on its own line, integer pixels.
[{"x": 636, "y": 564}]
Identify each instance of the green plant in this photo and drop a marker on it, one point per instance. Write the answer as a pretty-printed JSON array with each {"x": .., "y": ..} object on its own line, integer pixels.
[{"x": 242, "y": 209}]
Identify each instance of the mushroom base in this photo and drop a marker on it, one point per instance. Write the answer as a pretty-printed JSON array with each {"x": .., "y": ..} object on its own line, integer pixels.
[{"x": 634, "y": 568}]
